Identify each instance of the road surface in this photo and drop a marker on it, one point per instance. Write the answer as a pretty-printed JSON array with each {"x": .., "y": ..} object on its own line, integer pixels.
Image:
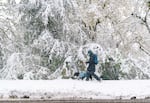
[{"x": 74, "y": 101}]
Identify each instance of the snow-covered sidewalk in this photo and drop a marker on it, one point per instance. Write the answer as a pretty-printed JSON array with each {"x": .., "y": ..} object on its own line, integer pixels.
[{"x": 54, "y": 89}]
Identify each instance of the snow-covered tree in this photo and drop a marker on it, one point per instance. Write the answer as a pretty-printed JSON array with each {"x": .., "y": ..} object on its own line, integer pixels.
[{"x": 47, "y": 39}]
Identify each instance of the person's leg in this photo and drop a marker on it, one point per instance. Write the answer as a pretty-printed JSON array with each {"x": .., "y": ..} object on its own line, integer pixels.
[
  {"x": 91, "y": 77},
  {"x": 95, "y": 76},
  {"x": 87, "y": 75}
]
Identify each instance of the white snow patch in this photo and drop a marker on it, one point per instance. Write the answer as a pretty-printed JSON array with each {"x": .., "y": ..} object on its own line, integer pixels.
[
  {"x": 17, "y": 1},
  {"x": 77, "y": 89}
]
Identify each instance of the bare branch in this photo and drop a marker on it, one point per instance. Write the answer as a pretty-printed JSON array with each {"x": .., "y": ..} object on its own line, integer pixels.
[{"x": 144, "y": 20}]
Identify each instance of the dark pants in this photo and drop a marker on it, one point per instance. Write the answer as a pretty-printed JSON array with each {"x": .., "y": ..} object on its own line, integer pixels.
[{"x": 91, "y": 73}]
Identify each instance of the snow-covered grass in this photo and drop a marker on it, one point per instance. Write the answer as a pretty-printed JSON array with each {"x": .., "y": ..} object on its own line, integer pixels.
[{"x": 54, "y": 89}]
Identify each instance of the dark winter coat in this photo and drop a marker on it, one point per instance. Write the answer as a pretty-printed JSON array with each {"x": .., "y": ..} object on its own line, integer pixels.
[{"x": 91, "y": 67}]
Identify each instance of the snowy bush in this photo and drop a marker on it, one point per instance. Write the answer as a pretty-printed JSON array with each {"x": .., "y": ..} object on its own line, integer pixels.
[{"x": 111, "y": 70}]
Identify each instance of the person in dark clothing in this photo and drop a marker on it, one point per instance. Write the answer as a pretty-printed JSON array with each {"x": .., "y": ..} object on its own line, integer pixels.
[{"x": 92, "y": 63}]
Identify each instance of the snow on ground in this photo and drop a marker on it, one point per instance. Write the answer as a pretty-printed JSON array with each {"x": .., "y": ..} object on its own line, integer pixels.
[{"x": 55, "y": 89}]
